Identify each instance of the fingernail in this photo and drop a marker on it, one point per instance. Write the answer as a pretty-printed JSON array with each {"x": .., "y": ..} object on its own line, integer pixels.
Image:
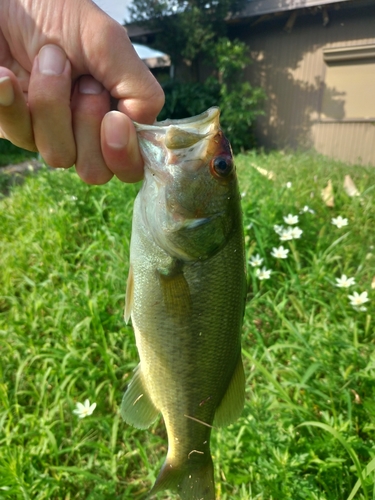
[
  {"x": 52, "y": 60},
  {"x": 6, "y": 91},
  {"x": 88, "y": 85},
  {"x": 114, "y": 130}
]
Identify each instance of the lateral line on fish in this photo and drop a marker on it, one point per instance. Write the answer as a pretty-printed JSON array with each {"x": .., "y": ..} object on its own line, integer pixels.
[{"x": 200, "y": 421}]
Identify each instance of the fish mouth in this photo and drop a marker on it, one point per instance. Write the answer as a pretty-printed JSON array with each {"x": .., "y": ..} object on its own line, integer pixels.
[
  {"x": 185, "y": 143},
  {"x": 191, "y": 129},
  {"x": 200, "y": 121}
]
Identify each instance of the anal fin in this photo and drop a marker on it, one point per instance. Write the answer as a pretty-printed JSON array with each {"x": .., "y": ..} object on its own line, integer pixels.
[
  {"x": 232, "y": 404},
  {"x": 137, "y": 409}
]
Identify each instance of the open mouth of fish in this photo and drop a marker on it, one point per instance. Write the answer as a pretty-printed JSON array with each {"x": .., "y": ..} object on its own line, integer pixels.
[{"x": 186, "y": 142}]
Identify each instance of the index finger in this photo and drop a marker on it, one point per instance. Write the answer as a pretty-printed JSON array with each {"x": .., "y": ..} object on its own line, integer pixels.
[{"x": 121, "y": 71}]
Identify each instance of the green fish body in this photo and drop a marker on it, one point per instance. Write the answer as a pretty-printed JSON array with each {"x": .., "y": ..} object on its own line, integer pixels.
[{"x": 185, "y": 296}]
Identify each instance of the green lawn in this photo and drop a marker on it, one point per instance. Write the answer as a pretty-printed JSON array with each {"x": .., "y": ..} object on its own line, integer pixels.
[
  {"x": 11, "y": 154},
  {"x": 308, "y": 428}
]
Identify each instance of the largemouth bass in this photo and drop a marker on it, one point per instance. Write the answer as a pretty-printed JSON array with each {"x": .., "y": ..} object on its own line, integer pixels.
[{"x": 186, "y": 295}]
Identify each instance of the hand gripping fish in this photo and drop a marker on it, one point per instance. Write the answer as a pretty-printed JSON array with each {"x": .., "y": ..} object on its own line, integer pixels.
[{"x": 186, "y": 295}]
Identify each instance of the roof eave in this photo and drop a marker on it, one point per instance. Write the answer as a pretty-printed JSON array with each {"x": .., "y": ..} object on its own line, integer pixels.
[{"x": 261, "y": 7}]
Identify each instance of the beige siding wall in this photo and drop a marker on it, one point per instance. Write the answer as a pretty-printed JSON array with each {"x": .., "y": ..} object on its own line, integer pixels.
[
  {"x": 352, "y": 142},
  {"x": 291, "y": 69}
]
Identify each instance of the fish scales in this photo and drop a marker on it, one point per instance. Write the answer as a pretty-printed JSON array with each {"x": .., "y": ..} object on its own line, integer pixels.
[{"x": 186, "y": 293}]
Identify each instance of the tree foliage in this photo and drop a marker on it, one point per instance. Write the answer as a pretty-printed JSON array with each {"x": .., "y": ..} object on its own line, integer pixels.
[
  {"x": 185, "y": 28},
  {"x": 194, "y": 33},
  {"x": 239, "y": 101}
]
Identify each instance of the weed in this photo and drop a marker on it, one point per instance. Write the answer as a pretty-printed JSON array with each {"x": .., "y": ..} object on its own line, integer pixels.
[{"x": 308, "y": 428}]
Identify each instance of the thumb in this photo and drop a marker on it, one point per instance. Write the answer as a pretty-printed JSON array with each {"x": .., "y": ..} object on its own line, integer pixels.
[{"x": 112, "y": 60}]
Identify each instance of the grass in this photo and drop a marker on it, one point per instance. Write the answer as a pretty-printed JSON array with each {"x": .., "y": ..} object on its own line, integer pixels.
[
  {"x": 10, "y": 154},
  {"x": 308, "y": 428}
]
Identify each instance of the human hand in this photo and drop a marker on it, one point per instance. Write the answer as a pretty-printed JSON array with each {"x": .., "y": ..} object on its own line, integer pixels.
[{"x": 60, "y": 63}]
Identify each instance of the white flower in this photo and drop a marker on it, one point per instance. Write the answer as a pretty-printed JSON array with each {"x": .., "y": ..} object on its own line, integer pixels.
[
  {"x": 263, "y": 274},
  {"x": 286, "y": 234},
  {"x": 345, "y": 282},
  {"x": 288, "y": 185},
  {"x": 357, "y": 300},
  {"x": 307, "y": 209},
  {"x": 291, "y": 219},
  {"x": 85, "y": 409},
  {"x": 295, "y": 232},
  {"x": 243, "y": 194},
  {"x": 249, "y": 226},
  {"x": 292, "y": 233},
  {"x": 278, "y": 229},
  {"x": 339, "y": 221},
  {"x": 256, "y": 260},
  {"x": 280, "y": 253}
]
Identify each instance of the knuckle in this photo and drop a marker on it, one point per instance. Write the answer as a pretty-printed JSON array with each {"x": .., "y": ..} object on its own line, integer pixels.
[
  {"x": 159, "y": 97},
  {"x": 93, "y": 175},
  {"x": 43, "y": 99},
  {"x": 156, "y": 97},
  {"x": 57, "y": 160},
  {"x": 55, "y": 144}
]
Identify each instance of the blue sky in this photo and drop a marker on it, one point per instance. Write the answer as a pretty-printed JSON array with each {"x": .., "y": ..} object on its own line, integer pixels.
[{"x": 115, "y": 8}]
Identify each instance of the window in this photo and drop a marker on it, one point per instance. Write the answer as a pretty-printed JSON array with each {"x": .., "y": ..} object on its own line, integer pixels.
[{"x": 349, "y": 89}]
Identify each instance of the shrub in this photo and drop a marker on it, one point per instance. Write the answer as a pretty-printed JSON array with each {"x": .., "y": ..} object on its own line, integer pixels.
[{"x": 239, "y": 101}]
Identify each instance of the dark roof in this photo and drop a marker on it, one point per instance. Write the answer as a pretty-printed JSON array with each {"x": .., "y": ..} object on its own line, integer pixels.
[
  {"x": 260, "y": 7},
  {"x": 265, "y": 10}
]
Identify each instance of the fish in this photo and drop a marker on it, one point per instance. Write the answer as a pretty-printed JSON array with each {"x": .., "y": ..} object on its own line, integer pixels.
[{"x": 185, "y": 296}]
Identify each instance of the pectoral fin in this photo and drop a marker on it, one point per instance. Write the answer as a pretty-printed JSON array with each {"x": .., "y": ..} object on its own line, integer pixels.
[
  {"x": 129, "y": 295},
  {"x": 137, "y": 409},
  {"x": 233, "y": 401},
  {"x": 175, "y": 288}
]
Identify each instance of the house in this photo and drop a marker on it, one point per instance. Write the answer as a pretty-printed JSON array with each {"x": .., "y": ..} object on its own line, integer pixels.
[{"x": 316, "y": 62}]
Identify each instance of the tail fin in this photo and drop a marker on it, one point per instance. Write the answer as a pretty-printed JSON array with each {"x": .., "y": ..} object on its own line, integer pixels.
[{"x": 190, "y": 483}]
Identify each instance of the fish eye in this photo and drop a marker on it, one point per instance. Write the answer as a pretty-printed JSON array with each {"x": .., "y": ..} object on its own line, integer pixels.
[{"x": 222, "y": 165}]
